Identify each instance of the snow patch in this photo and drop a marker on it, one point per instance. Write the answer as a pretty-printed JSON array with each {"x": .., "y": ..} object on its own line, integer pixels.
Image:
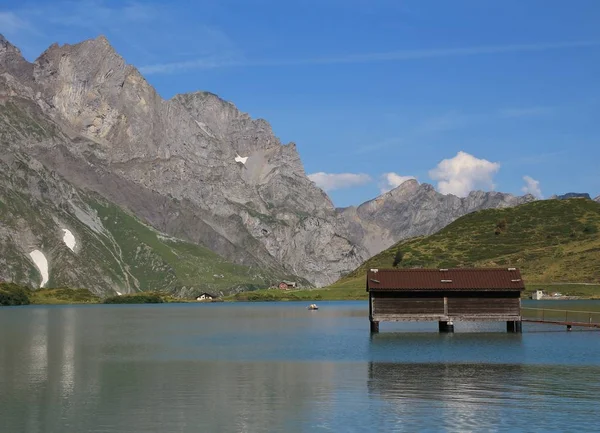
[
  {"x": 119, "y": 293},
  {"x": 42, "y": 264},
  {"x": 69, "y": 239},
  {"x": 243, "y": 160}
]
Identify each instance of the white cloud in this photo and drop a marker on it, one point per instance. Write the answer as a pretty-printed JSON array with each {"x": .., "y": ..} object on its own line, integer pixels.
[
  {"x": 332, "y": 181},
  {"x": 464, "y": 173},
  {"x": 532, "y": 187},
  {"x": 389, "y": 181}
]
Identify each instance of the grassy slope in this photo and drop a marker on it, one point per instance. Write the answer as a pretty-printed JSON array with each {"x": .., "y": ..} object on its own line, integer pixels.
[
  {"x": 63, "y": 296},
  {"x": 551, "y": 241},
  {"x": 159, "y": 261}
]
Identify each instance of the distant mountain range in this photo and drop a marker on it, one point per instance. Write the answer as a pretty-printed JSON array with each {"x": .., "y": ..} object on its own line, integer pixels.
[
  {"x": 182, "y": 194},
  {"x": 572, "y": 195}
]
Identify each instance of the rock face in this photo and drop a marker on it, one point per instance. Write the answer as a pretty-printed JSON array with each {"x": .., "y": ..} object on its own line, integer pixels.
[
  {"x": 415, "y": 210},
  {"x": 196, "y": 168},
  {"x": 571, "y": 195},
  {"x": 597, "y": 199}
]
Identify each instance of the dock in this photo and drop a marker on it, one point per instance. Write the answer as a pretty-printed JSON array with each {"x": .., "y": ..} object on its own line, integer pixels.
[{"x": 568, "y": 318}]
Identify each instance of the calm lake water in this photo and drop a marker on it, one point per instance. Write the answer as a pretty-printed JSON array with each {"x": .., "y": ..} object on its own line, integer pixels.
[{"x": 270, "y": 367}]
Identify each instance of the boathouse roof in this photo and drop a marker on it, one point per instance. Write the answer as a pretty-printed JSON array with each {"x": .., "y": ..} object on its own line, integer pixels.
[{"x": 459, "y": 279}]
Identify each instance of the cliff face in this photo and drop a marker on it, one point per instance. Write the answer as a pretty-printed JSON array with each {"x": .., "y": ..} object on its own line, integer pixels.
[{"x": 196, "y": 168}]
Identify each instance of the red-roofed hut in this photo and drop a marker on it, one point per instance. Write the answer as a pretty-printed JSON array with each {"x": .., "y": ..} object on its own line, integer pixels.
[{"x": 445, "y": 295}]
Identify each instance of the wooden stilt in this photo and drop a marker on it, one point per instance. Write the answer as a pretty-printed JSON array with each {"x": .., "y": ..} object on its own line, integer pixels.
[{"x": 374, "y": 326}]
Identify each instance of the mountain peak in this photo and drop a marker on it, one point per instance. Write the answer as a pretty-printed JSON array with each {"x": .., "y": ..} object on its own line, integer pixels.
[
  {"x": 9, "y": 52},
  {"x": 6, "y": 46}
]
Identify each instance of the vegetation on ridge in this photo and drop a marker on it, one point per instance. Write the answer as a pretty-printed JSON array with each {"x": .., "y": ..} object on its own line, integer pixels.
[{"x": 551, "y": 241}]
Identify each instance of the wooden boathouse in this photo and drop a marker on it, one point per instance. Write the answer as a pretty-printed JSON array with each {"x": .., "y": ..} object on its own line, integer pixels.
[{"x": 446, "y": 296}]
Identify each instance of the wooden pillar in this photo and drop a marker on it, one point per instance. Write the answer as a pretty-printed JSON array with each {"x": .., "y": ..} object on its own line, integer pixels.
[
  {"x": 374, "y": 326},
  {"x": 510, "y": 326},
  {"x": 514, "y": 326},
  {"x": 446, "y": 326}
]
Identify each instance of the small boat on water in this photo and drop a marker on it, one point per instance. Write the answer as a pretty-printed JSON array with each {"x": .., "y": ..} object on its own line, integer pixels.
[{"x": 313, "y": 307}]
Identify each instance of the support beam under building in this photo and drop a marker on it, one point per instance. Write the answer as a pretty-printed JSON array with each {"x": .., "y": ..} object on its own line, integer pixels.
[
  {"x": 514, "y": 326},
  {"x": 374, "y": 326},
  {"x": 446, "y": 326}
]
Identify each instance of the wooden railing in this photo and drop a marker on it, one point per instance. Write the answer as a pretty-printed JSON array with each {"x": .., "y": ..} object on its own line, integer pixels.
[{"x": 562, "y": 317}]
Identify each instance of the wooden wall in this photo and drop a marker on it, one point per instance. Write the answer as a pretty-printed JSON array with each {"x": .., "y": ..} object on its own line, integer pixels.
[{"x": 444, "y": 305}]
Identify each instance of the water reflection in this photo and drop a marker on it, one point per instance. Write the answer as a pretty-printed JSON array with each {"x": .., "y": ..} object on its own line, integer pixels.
[
  {"x": 478, "y": 397},
  {"x": 464, "y": 396}
]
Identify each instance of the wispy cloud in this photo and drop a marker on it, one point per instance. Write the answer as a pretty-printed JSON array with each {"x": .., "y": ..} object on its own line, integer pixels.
[
  {"x": 333, "y": 181},
  {"x": 538, "y": 158},
  {"x": 211, "y": 62},
  {"x": 11, "y": 24},
  {"x": 526, "y": 111},
  {"x": 391, "y": 56},
  {"x": 378, "y": 145},
  {"x": 448, "y": 121}
]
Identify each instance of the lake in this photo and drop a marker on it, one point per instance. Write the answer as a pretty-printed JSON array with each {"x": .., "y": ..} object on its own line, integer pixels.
[{"x": 272, "y": 367}]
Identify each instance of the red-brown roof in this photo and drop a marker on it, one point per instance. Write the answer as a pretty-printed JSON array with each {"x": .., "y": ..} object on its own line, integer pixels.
[{"x": 500, "y": 279}]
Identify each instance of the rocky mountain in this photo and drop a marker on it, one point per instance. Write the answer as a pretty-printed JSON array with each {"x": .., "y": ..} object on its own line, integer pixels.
[
  {"x": 193, "y": 168},
  {"x": 597, "y": 199},
  {"x": 414, "y": 209},
  {"x": 571, "y": 195}
]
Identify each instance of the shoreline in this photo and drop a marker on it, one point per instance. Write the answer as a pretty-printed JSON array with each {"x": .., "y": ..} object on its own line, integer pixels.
[{"x": 65, "y": 296}]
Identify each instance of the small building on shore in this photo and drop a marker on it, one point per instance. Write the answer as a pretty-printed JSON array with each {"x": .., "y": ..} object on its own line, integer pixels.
[
  {"x": 286, "y": 285},
  {"x": 206, "y": 297},
  {"x": 537, "y": 295}
]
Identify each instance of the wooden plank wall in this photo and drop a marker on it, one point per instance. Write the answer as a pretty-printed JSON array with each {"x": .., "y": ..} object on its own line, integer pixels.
[
  {"x": 408, "y": 305},
  {"x": 483, "y": 306},
  {"x": 458, "y": 303}
]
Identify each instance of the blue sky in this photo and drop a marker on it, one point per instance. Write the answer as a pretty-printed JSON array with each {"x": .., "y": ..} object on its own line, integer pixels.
[{"x": 463, "y": 94}]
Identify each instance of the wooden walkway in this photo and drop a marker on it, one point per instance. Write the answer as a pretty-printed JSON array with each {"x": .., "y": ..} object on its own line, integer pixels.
[{"x": 568, "y": 318}]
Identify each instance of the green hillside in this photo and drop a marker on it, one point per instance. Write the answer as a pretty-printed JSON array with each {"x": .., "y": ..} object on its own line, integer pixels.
[{"x": 551, "y": 241}]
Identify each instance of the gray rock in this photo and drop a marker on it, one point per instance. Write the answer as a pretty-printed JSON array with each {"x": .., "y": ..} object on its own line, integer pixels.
[
  {"x": 415, "y": 210},
  {"x": 571, "y": 195}
]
